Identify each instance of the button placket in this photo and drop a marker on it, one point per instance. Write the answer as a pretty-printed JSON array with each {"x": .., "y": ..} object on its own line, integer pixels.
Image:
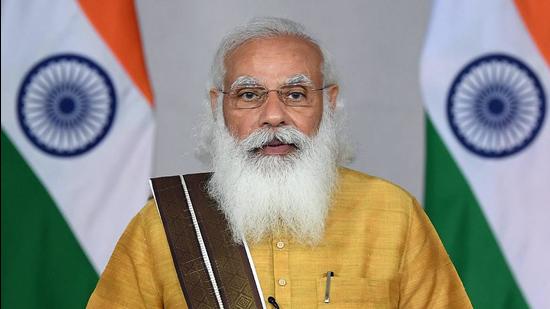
[{"x": 281, "y": 273}]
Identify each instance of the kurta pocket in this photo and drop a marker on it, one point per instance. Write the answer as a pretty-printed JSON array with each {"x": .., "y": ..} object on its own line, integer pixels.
[{"x": 356, "y": 293}]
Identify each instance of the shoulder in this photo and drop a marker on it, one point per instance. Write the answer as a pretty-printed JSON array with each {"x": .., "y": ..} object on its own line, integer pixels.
[
  {"x": 144, "y": 231},
  {"x": 373, "y": 191},
  {"x": 374, "y": 206},
  {"x": 140, "y": 273},
  {"x": 148, "y": 216}
]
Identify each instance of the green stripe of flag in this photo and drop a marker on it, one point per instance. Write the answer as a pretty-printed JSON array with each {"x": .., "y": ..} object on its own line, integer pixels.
[
  {"x": 43, "y": 265},
  {"x": 459, "y": 220}
]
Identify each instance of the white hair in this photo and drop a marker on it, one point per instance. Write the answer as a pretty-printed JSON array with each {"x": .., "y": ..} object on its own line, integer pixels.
[
  {"x": 210, "y": 120},
  {"x": 265, "y": 195},
  {"x": 262, "y": 194},
  {"x": 261, "y": 28}
]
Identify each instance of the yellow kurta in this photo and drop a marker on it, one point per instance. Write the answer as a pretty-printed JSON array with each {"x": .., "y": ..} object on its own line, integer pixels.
[{"x": 380, "y": 245}]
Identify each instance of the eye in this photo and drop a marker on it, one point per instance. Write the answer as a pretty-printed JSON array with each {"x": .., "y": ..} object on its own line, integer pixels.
[
  {"x": 296, "y": 94},
  {"x": 249, "y": 94}
]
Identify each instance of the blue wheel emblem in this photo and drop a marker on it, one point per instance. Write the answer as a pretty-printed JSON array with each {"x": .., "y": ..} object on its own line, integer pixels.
[
  {"x": 66, "y": 105},
  {"x": 496, "y": 106}
]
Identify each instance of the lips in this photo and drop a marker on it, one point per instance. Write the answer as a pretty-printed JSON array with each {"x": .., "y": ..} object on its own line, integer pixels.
[{"x": 276, "y": 147}]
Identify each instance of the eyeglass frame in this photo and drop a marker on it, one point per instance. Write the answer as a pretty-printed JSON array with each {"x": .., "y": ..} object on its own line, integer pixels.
[{"x": 279, "y": 93}]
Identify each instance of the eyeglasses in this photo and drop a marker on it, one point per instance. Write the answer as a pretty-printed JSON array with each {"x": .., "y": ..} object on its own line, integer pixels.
[{"x": 249, "y": 97}]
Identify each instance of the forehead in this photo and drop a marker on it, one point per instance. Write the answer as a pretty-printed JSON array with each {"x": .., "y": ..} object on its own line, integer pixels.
[{"x": 274, "y": 60}]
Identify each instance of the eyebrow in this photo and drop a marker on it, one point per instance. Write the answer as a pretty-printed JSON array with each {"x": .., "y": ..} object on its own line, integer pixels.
[
  {"x": 245, "y": 80},
  {"x": 299, "y": 79}
]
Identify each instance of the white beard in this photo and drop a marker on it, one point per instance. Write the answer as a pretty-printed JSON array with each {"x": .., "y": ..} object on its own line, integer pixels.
[{"x": 263, "y": 195}]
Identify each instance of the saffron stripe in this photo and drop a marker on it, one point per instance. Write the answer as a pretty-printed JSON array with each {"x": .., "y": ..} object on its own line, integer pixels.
[
  {"x": 536, "y": 16},
  {"x": 116, "y": 22}
]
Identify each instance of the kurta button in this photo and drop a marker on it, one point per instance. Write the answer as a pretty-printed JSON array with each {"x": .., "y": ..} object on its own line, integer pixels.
[
  {"x": 282, "y": 282},
  {"x": 280, "y": 245}
]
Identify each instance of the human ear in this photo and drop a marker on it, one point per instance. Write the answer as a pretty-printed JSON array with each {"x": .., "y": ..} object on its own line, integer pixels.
[
  {"x": 214, "y": 93},
  {"x": 333, "y": 95}
]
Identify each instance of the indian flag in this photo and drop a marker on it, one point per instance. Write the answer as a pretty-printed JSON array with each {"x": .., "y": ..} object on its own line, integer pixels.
[
  {"x": 77, "y": 142},
  {"x": 486, "y": 81}
]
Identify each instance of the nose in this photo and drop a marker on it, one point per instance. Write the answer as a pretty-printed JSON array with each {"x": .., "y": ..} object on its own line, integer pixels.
[{"x": 274, "y": 112}]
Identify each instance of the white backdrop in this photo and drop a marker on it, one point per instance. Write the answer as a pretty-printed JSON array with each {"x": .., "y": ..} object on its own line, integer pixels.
[{"x": 375, "y": 45}]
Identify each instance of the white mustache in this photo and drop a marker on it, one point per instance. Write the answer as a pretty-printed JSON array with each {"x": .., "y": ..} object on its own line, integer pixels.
[{"x": 286, "y": 135}]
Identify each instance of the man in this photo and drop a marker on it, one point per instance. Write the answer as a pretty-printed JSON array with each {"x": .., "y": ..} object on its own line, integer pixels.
[{"x": 314, "y": 234}]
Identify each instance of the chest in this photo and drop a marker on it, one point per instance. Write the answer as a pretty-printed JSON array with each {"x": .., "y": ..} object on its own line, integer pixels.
[{"x": 365, "y": 273}]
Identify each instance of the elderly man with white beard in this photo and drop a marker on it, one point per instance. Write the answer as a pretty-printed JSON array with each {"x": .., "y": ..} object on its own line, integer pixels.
[{"x": 279, "y": 222}]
